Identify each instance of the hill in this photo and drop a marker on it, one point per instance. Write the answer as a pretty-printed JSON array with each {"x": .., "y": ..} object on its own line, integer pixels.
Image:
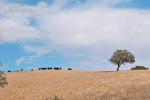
[{"x": 77, "y": 85}]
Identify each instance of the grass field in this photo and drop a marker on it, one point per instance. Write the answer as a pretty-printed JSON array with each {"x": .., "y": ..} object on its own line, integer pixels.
[{"x": 77, "y": 85}]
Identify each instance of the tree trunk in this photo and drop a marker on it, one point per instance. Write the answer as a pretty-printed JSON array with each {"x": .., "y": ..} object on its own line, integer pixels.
[{"x": 118, "y": 67}]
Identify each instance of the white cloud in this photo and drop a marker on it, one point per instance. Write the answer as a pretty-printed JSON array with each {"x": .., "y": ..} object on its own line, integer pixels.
[
  {"x": 25, "y": 59},
  {"x": 20, "y": 60},
  {"x": 94, "y": 26},
  {"x": 37, "y": 50}
]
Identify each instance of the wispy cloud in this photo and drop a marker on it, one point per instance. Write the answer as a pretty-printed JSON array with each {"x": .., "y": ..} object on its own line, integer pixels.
[{"x": 20, "y": 60}]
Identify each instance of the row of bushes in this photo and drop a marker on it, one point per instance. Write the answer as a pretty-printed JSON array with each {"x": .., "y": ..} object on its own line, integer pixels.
[
  {"x": 52, "y": 68},
  {"x": 42, "y": 68},
  {"x": 21, "y": 70}
]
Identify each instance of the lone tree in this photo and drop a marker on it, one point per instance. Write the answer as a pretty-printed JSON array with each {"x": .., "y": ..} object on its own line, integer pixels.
[
  {"x": 120, "y": 57},
  {"x": 3, "y": 80}
]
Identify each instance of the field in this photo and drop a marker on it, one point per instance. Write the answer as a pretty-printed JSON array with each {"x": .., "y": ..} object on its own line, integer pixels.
[{"x": 77, "y": 85}]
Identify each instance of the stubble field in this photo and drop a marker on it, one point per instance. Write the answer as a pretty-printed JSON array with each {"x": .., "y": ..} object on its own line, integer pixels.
[{"x": 77, "y": 85}]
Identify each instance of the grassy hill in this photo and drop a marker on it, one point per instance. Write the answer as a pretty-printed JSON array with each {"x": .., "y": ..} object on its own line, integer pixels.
[{"x": 77, "y": 85}]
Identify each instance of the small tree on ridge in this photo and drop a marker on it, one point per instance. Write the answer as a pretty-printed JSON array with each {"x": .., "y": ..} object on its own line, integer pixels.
[{"x": 120, "y": 57}]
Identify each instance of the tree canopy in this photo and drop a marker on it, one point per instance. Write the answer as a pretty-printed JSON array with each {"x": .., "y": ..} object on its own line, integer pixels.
[{"x": 120, "y": 57}]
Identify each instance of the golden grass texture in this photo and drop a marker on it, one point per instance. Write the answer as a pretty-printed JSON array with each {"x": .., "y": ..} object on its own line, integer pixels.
[{"x": 77, "y": 85}]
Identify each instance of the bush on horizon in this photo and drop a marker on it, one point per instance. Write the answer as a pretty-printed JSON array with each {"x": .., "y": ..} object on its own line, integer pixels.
[{"x": 139, "y": 68}]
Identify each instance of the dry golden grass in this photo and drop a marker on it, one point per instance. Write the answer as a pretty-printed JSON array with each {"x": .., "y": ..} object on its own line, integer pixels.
[{"x": 77, "y": 85}]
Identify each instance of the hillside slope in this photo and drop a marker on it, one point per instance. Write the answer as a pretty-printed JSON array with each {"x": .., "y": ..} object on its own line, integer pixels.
[{"x": 77, "y": 85}]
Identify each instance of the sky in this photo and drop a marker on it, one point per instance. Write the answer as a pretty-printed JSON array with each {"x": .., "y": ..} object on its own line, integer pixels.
[{"x": 81, "y": 34}]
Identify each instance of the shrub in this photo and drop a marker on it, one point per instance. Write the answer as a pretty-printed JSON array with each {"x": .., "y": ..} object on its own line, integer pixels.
[
  {"x": 9, "y": 71},
  {"x": 139, "y": 68},
  {"x": 3, "y": 80},
  {"x": 50, "y": 68},
  {"x": 69, "y": 68},
  {"x": 54, "y": 98}
]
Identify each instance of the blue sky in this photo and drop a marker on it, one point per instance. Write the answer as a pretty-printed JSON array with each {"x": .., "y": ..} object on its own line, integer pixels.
[
  {"x": 126, "y": 3},
  {"x": 81, "y": 34}
]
